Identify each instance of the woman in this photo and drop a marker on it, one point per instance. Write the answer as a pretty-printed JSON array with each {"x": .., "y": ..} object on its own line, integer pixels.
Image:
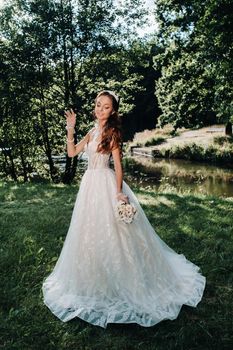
[{"x": 110, "y": 271}]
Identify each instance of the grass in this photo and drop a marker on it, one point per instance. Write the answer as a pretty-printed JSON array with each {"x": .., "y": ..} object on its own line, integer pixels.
[
  {"x": 216, "y": 154},
  {"x": 34, "y": 222},
  {"x": 155, "y": 141},
  {"x": 152, "y": 137}
]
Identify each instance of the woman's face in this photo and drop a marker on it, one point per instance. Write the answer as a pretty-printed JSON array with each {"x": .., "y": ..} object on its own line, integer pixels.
[{"x": 103, "y": 108}]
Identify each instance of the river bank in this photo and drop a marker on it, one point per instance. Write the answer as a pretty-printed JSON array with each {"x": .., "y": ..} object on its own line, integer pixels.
[{"x": 208, "y": 144}]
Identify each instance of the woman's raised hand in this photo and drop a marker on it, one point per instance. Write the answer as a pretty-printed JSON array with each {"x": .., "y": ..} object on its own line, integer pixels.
[{"x": 70, "y": 118}]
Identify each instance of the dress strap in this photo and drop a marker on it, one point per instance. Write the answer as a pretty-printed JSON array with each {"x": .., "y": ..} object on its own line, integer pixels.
[
  {"x": 92, "y": 134},
  {"x": 96, "y": 133}
]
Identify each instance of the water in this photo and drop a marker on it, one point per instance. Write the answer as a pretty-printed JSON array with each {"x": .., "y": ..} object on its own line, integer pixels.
[
  {"x": 180, "y": 175},
  {"x": 170, "y": 174}
]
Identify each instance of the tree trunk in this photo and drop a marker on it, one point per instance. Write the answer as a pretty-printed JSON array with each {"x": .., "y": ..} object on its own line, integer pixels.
[
  {"x": 74, "y": 168},
  {"x": 20, "y": 147},
  {"x": 65, "y": 57},
  {"x": 228, "y": 129},
  {"x": 66, "y": 178},
  {"x": 25, "y": 176},
  {"x": 52, "y": 169},
  {"x": 12, "y": 168}
]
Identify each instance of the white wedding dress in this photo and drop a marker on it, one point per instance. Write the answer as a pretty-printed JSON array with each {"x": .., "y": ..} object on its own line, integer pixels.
[{"x": 113, "y": 272}]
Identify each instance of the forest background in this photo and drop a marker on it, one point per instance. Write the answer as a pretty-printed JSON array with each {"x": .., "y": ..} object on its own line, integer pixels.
[{"x": 57, "y": 54}]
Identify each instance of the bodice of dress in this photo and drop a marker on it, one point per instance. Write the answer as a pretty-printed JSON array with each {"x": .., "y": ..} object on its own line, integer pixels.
[{"x": 96, "y": 160}]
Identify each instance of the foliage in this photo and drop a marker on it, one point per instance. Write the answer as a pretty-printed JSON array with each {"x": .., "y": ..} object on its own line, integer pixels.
[
  {"x": 223, "y": 140},
  {"x": 218, "y": 154},
  {"x": 151, "y": 137},
  {"x": 155, "y": 141},
  {"x": 57, "y": 55},
  {"x": 195, "y": 43}
]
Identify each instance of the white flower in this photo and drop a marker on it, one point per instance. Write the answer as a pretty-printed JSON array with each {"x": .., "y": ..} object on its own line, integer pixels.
[{"x": 125, "y": 211}]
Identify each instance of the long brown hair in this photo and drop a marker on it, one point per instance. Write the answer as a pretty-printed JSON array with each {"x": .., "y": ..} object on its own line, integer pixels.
[{"x": 112, "y": 129}]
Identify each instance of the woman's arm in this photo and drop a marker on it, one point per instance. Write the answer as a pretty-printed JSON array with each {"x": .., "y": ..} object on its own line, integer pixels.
[
  {"x": 73, "y": 150},
  {"x": 116, "y": 154},
  {"x": 70, "y": 125},
  {"x": 118, "y": 168}
]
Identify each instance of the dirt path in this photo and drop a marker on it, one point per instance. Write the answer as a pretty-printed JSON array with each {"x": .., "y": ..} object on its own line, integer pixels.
[{"x": 203, "y": 136}]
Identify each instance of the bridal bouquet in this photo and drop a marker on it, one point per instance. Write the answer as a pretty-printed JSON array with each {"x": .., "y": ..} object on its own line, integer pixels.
[{"x": 125, "y": 211}]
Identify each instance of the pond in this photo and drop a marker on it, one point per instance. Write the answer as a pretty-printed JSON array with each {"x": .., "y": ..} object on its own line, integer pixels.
[{"x": 182, "y": 175}]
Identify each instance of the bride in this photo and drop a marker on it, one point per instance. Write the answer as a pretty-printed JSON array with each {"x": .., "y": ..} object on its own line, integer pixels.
[{"x": 110, "y": 271}]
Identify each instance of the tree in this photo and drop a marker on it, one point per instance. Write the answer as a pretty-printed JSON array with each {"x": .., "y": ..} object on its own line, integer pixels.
[
  {"x": 195, "y": 59},
  {"x": 55, "y": 54}
]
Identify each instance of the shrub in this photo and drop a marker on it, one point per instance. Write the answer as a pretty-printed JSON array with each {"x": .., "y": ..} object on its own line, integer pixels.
[
  {"x": 221, "y": 140},
  {"x": 155, "y": 141},
  {"x": 212, "y": 153}
]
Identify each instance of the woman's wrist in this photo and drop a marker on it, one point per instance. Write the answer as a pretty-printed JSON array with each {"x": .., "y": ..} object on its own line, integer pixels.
[
  {"x": 122, "y": 197},
  {"x": 120, "y": 192},
  {"x": 70, "y": 128}
]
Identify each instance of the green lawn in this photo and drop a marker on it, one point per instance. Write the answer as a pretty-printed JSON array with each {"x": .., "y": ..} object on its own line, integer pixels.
[{"x": 34, "y": 222}]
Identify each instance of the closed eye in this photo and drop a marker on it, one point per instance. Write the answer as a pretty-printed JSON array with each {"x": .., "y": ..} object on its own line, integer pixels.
[{"x": 106, "y": 106}]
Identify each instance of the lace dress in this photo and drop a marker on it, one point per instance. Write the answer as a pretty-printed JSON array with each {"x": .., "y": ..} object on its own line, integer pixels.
[{"x": 109, "y": 271}]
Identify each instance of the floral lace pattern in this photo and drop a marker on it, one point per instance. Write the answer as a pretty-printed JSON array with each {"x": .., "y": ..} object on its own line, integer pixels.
[{"x": 111, "y": 272}]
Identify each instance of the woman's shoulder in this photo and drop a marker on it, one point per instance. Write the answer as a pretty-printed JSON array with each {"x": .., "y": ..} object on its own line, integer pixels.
[{"x": 90, "y": 132}]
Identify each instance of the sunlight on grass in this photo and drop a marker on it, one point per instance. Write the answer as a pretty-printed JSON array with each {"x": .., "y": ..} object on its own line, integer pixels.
[
  {"x": 32, "y": 233},
  {"x": 155, "y": 200}
]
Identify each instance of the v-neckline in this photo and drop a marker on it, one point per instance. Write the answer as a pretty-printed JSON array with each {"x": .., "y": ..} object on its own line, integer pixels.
[{"x": 93, "y": 136}]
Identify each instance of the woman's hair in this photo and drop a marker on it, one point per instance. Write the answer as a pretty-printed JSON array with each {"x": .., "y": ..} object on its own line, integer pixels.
[{"x": 112, "y": 128}]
